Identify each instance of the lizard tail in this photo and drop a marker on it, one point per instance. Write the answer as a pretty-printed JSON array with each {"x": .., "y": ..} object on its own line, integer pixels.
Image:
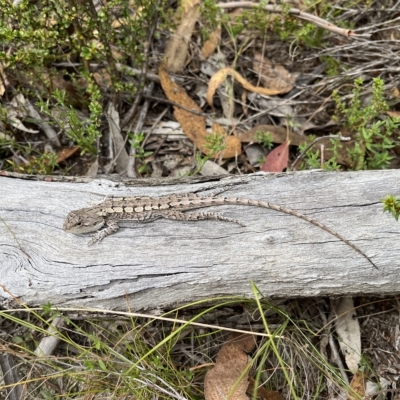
[{"x": 271, "y": 206}]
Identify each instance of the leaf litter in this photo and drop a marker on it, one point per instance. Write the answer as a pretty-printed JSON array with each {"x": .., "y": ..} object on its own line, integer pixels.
[{"x": 301, "y": 78}]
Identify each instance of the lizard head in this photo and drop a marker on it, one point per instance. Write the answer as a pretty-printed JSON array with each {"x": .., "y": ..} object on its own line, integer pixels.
[{"x": 82, "y": 221}]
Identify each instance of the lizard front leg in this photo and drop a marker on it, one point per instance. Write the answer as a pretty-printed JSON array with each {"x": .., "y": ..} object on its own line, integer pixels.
[{"x": 112, "y": 227}]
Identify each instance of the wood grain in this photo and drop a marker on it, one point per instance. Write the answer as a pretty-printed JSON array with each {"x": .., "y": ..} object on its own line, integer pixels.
[{"x": 165, "y": 263}]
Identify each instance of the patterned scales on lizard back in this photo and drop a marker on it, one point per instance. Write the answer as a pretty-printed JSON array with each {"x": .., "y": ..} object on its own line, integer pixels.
[{"x": 147, "y": 209}]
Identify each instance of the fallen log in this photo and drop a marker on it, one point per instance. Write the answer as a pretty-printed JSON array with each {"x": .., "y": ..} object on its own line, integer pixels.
[{"x": 166, "y": 263}]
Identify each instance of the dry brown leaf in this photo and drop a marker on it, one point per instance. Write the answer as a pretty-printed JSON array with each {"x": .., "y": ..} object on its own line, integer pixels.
[
  {"x": 278, "y": 135},
  {"x": 117, "y": 55},
  {"x": 358, "y": 385},
  {"x": 194, "y": 125},
  {"x": 218, "y": 129},
  {"x": 273, "y": 76},
  {"x": 66, "y": 153},
  {"x": 277, "y": 159},
  {"x": 263, "y": 393},
  {"x": 176, "y": 52},
  {"x": 103, "y": 79},
  {"x": 393, "y": 114},
  {"x": 224, "y": 378},
  {"x": 211, "y": 44},
  {"x": 220, "y": 77}
]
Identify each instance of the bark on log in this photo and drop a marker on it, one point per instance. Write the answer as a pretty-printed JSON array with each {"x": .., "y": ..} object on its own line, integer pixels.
[{"x": 167, "y": 263}]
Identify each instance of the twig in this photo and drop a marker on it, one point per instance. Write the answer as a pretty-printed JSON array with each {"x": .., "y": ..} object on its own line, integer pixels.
[
  {"x": 49, "y": 343},
  {"x": 297, "y": 13}
]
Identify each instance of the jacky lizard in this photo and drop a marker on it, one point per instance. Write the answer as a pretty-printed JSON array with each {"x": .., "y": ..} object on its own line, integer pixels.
[{"x": 146, "y": 209}]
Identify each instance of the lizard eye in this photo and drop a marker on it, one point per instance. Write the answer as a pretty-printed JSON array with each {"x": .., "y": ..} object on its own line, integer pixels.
[{"x": 79, "y": 224}]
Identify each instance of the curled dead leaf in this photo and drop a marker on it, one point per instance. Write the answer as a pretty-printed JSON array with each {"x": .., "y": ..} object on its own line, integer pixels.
[{"x": 220, "y": 77}]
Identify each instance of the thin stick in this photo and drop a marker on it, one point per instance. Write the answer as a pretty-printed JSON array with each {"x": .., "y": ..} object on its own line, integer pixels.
[{"x": 299, "y": 14}]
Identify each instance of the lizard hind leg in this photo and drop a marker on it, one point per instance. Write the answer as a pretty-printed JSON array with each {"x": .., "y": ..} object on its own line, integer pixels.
[{"x": 197, "y": 216}]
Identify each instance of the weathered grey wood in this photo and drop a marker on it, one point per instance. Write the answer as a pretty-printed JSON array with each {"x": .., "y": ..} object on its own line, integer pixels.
[
  {"x": 10, "y": 376},
  {"x": 165, "y": 263}
]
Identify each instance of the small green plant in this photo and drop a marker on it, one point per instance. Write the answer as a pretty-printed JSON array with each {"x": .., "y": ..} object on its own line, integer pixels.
[
  {"x": 36, "y": 36},
  {"x": 83, "y": 133},
  {"x": 209, "y": 10},
  {"x": 215, "y": 144},
  {"x": 312, "y": 158},
  {"x": 391, "y": 204},
  {"x": 265, "y": 139},
  {"x": 261, "y": 160},
  {"x": 374, "y": 137},
  {"x": 136, "y": 142},
  {"x": 43, "y": 164}
]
